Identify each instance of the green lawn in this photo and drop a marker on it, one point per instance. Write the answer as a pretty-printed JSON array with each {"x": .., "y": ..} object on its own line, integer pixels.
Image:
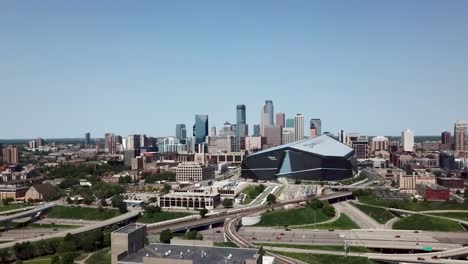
[
  {"x": 298, "y": 216},
  {"x": 85, "y": 213},
  {"x": 379, "y": 214},
  {"x": 161, "y": 216},
  {"x": 460, "y": 215},
  {"x": 326, "y": 259},
  {"x": 39, "y": 260},
  {"x": 317, "y": 247},
  {"x": 9, "y": 207},
  {"x": 100, "y": 257},
  {"x": 250, "y": 193},
  {"x": 413, "y": 206},
  {"x": 422, "y": 222},
  {"x": 342, "y": 223},
  {"x": 225, "y": 244}
]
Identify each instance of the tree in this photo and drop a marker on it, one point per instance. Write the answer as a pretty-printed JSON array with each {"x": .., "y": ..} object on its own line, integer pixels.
[
  {"x": 125, "y": 179},
  {"x": 203, "y": 212},
  {"x": 152, "y": 199},
  {"x": 123, "y": 208},
  {"x": 329, "y": 210},
  {"x": 104, "y": 202},
  {"x": 150, "y": 209},
  {"x": 55, "y": 260},
  {"x": 166, "y": 236},
  {"x": 227, "y": 203},
  {"x": 7, "y": 201},
  {"x": 4, "y": 255},
  {"x": 271, "y": 199},
  {"x": 166, "y": 188},
  {"x": 315, "y": 204},
  {"x": 69, "y": 200},
  {"x": 88, "y": 199},
  {"x": 117, "y": 200}
]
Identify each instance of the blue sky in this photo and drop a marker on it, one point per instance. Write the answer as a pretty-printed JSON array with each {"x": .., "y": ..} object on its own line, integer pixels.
[{"x": 376, "y": 67}]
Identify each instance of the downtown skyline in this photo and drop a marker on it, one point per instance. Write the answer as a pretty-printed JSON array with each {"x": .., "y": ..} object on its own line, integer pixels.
[{"x": 374, "y": 68}]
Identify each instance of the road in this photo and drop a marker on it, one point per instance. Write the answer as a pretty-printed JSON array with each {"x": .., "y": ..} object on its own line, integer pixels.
[
  {"x": 360, "y": 218},
  {"x": 98, "y": 225},
  {"x": 23, "y": 214},
  {"x": 357, "y": 237}
]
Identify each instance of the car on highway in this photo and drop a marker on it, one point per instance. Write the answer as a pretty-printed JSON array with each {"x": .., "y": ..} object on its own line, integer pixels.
[
  {"x": 421, "y": 258},
  {"x": 254, "y": 238},
  {"x": 287, "y": 229},
  {"x": 218, "y": 231},
  {"x": 416, "y": 232},
  {"x": 282, "y": 234},
  {"x": 397, "y": 236},
  {"x": 331, "y": 229},
  {"x": 435, "y": 257},
  {"x": 278, "y": 237},
  {"x": 341, "y": 236}
]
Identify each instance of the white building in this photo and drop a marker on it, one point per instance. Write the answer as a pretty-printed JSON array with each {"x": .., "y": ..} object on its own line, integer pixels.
[
  {"x": 288, "y": 135},
  {"x": 193, "y": 172},
  {"x": 407, "y": 140},
  {"x": 253, "y": 144},
  {"x": 379, "y": 143},
  {"x": 298, "y": 127},
  {"x": 190, "y": 200}
]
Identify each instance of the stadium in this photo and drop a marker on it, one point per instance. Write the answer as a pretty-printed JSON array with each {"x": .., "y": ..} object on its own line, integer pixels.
[{"x": 317, "y": 159}]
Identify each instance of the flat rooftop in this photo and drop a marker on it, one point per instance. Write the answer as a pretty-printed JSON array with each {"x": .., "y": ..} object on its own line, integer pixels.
[
  {"x": 128, "y": 228},
  {"x": 210, "y": 254}
]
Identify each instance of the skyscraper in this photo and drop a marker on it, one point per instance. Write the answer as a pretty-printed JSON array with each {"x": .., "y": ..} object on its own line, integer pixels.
[
  {"x": 256, "y": 130},
  {"x": 407, "y": 140},
  {"x": 290, "y": 123},
  {"x": 178, "y": 131},
  {"x": 446, "y": 139},
  {"x": 342, "y": 136},
  {"x": 298, "y": 127},
  {"x": 10, "y": 155},
  {"x": 213, "y": 131},
  {"x": 200, "y": 130},
  {"x": 110, "y": 144},
  {"x": 461, "y": 136},
  {"x": 267, "y": 116},
  {"x": 315, "y": 127},
  {"x": 87, "y": 139},
  {"x": 133, "y": 142},
  {"x": 280, "y": 119},
  {"x": 241, "y": 125}
]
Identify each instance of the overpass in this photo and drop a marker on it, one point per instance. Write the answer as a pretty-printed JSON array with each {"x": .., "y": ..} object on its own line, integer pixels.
[{"x": 33, "y": 213}]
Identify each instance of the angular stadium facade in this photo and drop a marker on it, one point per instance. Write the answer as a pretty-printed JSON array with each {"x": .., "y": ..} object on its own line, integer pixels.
[{"x": 318, "y": 159}]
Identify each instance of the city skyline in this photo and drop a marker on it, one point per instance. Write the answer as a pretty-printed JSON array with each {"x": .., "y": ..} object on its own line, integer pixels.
[{"x": 310, "y": 58}]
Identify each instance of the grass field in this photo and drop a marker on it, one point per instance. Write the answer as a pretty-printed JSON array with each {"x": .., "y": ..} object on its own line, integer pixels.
[
  {"x": 85, "y": 213},
  {"x": 326, "y": 259},
  {"x": 342, "y": 223},
  {"x": 379, "y": 214},
  {"x": 298, "y": 216},
  {"x": 39, "y": 260},
  {"x": 161, "y": 216},
  {"x": 225, "y": 244},
  {"x": 412, "y": 206},
  {"x": 422, "y": 222},
  {"x": 250, "y": 193},
  {"x": 460, "y": 216},
  {"x": 9, "y": 207},
  {"x": 100, "y": 257},
  {"x": 317, "y": 247}
]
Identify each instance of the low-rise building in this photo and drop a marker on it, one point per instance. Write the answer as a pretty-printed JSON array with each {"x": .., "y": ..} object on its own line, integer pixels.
[
  {"x": 40, "y": 192},
  {"x": 193, "y": 172},
  {"x": 189, "y": 200},
  {"x": 451, "y": 183},
  {"x": 15, "y": 192},
  {"x": 407, "y": 183},
  {"x": 433, "y": 192}
]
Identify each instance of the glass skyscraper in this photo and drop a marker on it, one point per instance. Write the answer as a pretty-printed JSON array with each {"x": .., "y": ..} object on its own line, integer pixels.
[
  {"x": 241, "y": 126},
  {"x": 200, "y": 129}
]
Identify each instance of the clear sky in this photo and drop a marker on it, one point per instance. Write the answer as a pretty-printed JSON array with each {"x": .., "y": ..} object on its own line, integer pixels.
[{"x": 375, "y": 67}]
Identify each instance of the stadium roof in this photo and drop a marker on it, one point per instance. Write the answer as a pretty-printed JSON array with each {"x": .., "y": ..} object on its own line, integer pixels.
[{"x": 322, "y": 145}]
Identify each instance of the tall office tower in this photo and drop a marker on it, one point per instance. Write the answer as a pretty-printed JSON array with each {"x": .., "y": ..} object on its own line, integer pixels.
[
  {"x": 10, "y": 155},
  {"x": 380, "y": 143},
  {"x": 288, "y": 135},
  {"x": 32, "y": 144},
  {"x": 407, "y": 140},
  {"x": 40, "y": 142},
  {"x": 273, "y": 136},
  {"x": 342, "y": 136},
  {"x": 119, "y": 139},
  {"x": 213, "y": 131},
  {"x": 446, "y": 138},
  {"x": 461, "y": 136},
  {"x": 280, "y": 119},
  {"x": 241, "y": 126},
  {"x": 290, "y": 122},
  {"x": 298, "y": 127},
  {"x": 256, "y": 130},
  {"x": 315, "y": 127},
  {"x": 200, "y": 130},
  {"x": 178, "y": 131},
  {"x": 360, "y": 144},
  {"x": 110, "y": 143},
  {"x": 143, "y": 141},
  {"x": 87, "y": 139},
  {"x": 267, "y": 116},
  {"x": 133, "y": 142}
]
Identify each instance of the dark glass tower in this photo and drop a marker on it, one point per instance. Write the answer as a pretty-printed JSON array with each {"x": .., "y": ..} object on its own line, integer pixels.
[
  {"x": 241, "y": 126},
  {"x": 200, "y": 129}
]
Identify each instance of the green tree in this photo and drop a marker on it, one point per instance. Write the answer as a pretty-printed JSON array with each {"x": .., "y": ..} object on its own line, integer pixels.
[
  {"x": 329, "y": 210},
  {"x": 4, "y": 255},
  {"x": 104, "y": 202},
  {"x": 271, "y": 199},
  {"x": 227, "y": 203},
  {"x": 166, "y": 188},
  {"x": 203, "y": 212},
  {"x": 166, "y": 236},
  {"x": 69, "y": 200},
  {"x": 55, "y": 260},
  {"x": 150, "y": 209},
  {"x": 7, "y": 201},
  {"x": 117, "y": 200},
  {"x": 315, "y": 204},
  {"x": 88, "y": 199},
  {"x": 123, "y": 208},
  {"x": 152, "y": 199}
]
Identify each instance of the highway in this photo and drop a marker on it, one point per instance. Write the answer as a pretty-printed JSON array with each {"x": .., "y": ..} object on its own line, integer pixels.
[
  {"x": 360, "y": 218},
  {"x": 98, "y": 225},
  {"x": 23, "y": 214}
]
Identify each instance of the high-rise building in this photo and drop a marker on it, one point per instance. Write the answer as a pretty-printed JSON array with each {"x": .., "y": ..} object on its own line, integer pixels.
[
  {"x": 273, "y": 135},
  {"x": 407, "y": 140},
  {"x": 267, "y": 116},
  {"x": 179, "y": 130},
  {"x": 133, "y": 142},
  {"x": 40, "y": 142},
  {"x": 241, "y": 125},
  {"x": 298, "y": 127},
  {"x": 10, "y": 155},
  {"x": 315, "y": 127},
  {"x": 446, "y": 138},
  {"x": 256, "y": 130},
  {"x": 87, "y": 139},
  {"x": 380, "y": 143},
  {"x": 290, "y": 122},
  {"x": 143, "y": 141},
  {"x": 200, "y": 130},
  {"x": 342, "y": 136},
  {"x": 280, "y": 119},
  {"x": 288, "y": 135},
  {"x": 213, "y": 131},
  {"x": 110, "y": 143},
  {"x": 361, "y": 147},
  {"x": 461, "y": 136}
]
